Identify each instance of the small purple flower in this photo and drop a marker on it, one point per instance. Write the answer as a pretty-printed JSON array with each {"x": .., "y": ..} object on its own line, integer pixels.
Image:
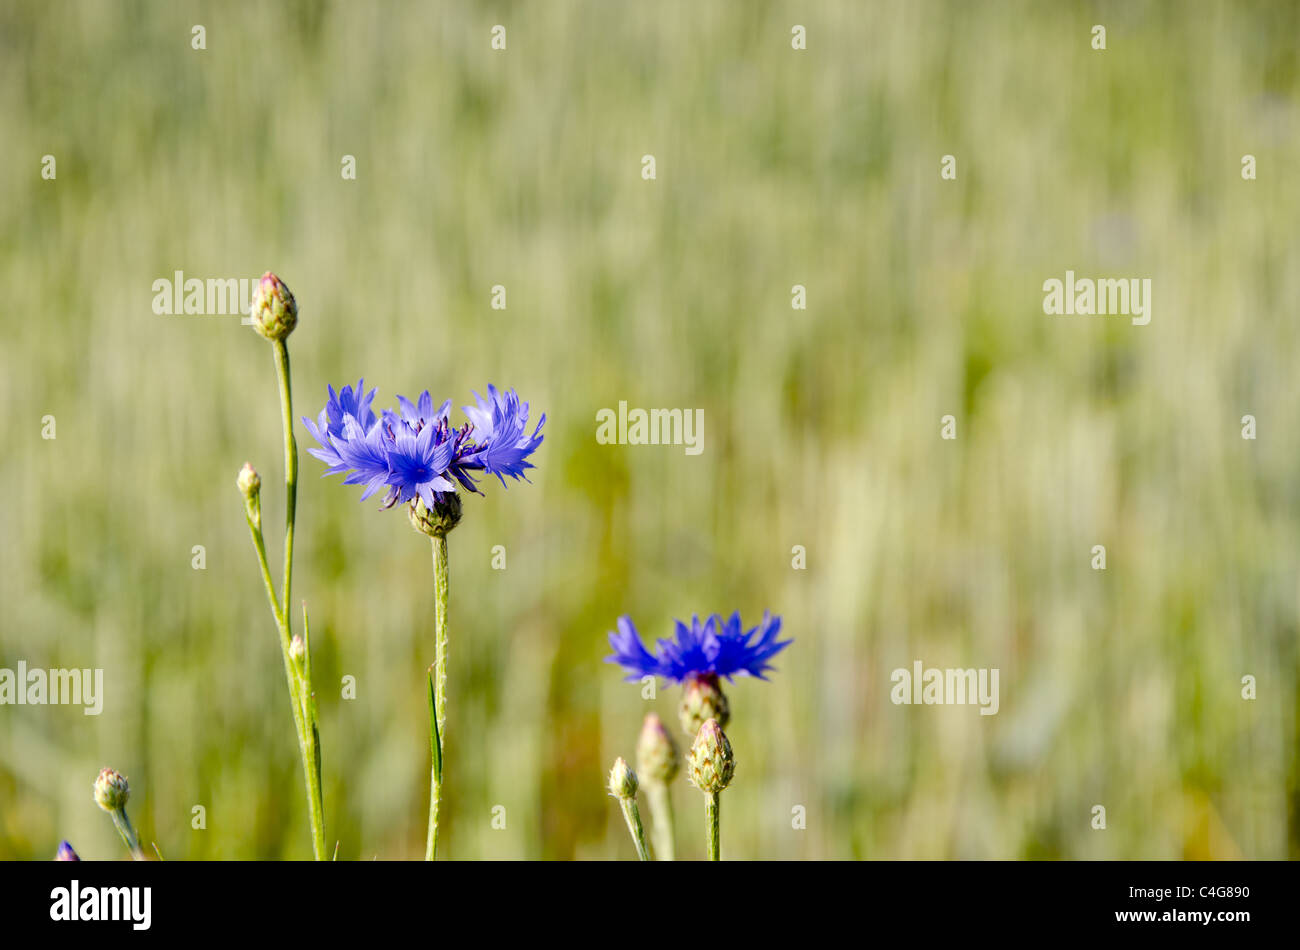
[
  {"x": 65, "y": 853},
  {"x": 714, "y": 648},
  {"x": 414, "y": 451}
]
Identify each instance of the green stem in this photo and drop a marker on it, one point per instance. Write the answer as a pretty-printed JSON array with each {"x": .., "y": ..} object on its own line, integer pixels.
[
  {"x": 311, "y": 718},
  {"x": 661, "y": 814},
  {"x": 308, "y": 732},
  {"x": 129, "y": 837},
  {"x": 712, "y": 800},
  {"x": 435, "y": 772},
  {"x": 290, "y": 468},
  {"x": 633, "y": 818},
  {"x": 253, "y": 513},
  {"x": 440, "y": 581},
  {"x": 301, "y": 696},
  {"x": 299, "y": 690}
]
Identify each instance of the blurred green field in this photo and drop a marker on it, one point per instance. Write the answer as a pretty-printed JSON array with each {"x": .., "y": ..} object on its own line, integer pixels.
[{"x": 775, "y": 168}]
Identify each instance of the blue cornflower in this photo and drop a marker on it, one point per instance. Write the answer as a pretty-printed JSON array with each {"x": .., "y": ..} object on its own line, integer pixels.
[
  {"x": 421, "y": 415},
  {"x": 418, "y": 461},
  {"x": 698, "y": 657},
  {"x": 713, "y": 648},
  {"x": 346, "y": 403},
  {"x": 630, "y": 653},
  {"x": 740, "y": 652},
  {"x": 500, "y": 425},
  {"x": 414, "y": 451},
  {"x": 363, "y": 454}
]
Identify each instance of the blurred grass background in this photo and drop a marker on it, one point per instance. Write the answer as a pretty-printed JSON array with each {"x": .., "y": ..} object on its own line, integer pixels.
[{"x": 775, "y": 168}]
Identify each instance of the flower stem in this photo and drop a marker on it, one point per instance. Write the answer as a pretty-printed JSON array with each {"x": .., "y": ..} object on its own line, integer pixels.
[
  {"x": 129, "y": 837},
  {"x": 311, "y": 742},
  {"x": 299, "y": 687},
  {"x": 661, "y": 815},
  {"x": 633, "y": 818},
  {"x": 254, "y": 517},
  {"x": 439, "y": 712},
  {"x": 301, "y": 696},
  {"x": 712, "y": 800},
  {"x": 290, "y": 468},
  {"x": 308, "y": 732}
]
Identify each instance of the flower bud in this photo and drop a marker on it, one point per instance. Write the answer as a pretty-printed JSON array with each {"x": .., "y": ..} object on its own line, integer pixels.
[
  {"x": 249, "y": 482},
  {"x": 703, "y": 698},
  {"x": 111, "y": 790},
  {"x": 712, "y": 766},
  {"x": 274, "y": 312},
  {"x": 622, "y": 780},
  {"x": 65, "y": 853},
  {"x": 444, "y": 516},
  {"x": 657, "y": 758},
  {"x": 297, "y": 649}
]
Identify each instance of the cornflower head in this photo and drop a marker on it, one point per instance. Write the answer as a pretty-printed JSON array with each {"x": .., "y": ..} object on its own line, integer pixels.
[
  {"x": 698, "y": 658},
  {"x": 417, "y": 455},
  {"x": 65, "y": 853}
]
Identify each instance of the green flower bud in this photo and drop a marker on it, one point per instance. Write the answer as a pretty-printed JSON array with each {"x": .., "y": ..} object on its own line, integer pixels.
[
  {"x": 622, "y": 780},
  {"x": 702, "y": 699},
  {"x": 712, "y": 766},
  {"x": 111, "y": 790},
  {"x": 249, "y": 482},
  {"x": 444, "y": 516},
  {"x": 274, "y": 311},
  {"x": 657, "y": 758},
  {"x": 297, "y": 649}
]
